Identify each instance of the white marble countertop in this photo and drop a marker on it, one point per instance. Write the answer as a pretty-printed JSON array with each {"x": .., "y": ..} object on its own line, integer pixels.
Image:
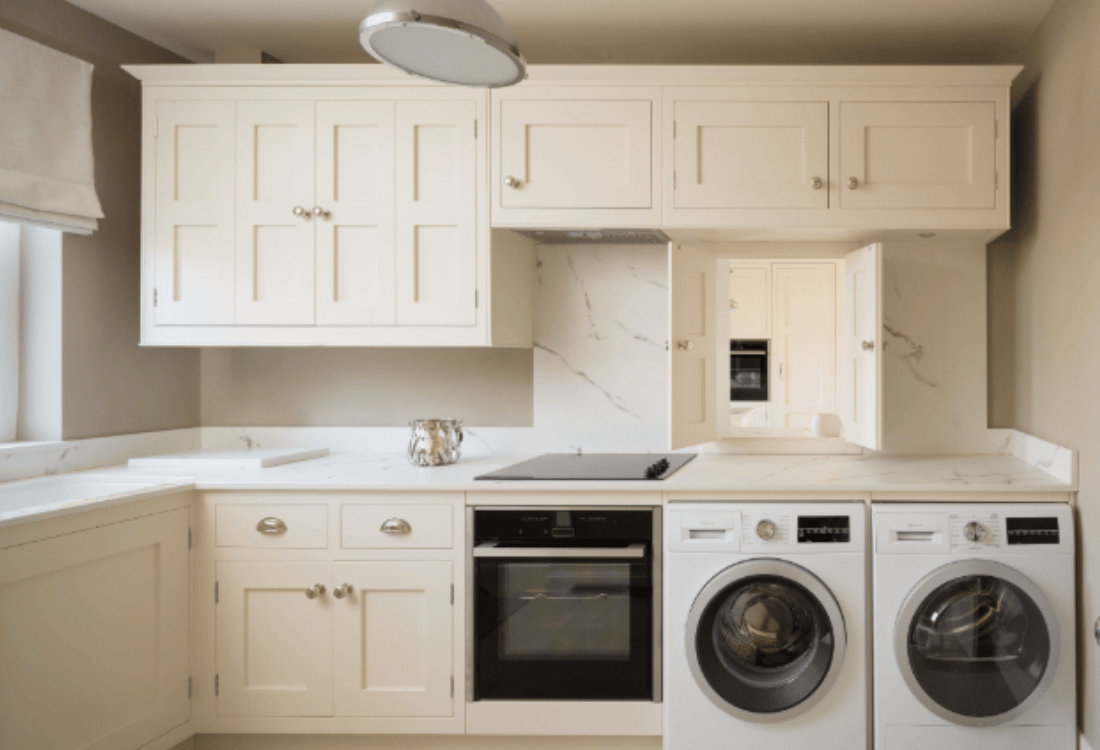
[{"x": 37, "y": 499}]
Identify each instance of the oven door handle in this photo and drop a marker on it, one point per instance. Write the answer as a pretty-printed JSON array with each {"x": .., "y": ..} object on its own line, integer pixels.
[{"x": 490, "y": 549}]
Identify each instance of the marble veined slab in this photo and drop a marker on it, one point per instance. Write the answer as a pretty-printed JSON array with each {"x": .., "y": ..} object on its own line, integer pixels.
[{"x": 223, "y": 460}]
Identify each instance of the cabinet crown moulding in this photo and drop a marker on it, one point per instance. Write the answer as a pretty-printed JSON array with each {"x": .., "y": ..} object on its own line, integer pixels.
[{"x": 691, "y": 75}]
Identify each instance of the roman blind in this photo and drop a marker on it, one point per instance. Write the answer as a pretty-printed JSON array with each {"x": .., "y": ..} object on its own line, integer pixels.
[{"x": 47, "y": 170}]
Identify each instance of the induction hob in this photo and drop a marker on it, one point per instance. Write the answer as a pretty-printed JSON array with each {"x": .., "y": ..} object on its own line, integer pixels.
[{"x": 594, "y": 466}]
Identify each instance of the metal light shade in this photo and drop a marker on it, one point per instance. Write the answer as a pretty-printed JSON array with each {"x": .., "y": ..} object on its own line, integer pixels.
[{"x": 464, "y": 42}]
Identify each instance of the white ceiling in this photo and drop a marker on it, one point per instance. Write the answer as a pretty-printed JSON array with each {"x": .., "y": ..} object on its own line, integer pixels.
[{"x": 658, "y": 32}]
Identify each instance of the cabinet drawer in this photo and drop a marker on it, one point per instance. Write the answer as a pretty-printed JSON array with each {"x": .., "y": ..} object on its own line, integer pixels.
[
  {"x": 429, "y": 526},
  {"x": 284, "y": 526}
]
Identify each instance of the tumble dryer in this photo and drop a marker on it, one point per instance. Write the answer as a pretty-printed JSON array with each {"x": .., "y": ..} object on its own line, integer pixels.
[
  {"x": 974, "y": 643},
  {"x": 764, "y": 626}
]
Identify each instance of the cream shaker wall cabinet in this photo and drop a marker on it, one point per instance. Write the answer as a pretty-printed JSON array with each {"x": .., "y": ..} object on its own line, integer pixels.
[{"x": 352, "y": 211}]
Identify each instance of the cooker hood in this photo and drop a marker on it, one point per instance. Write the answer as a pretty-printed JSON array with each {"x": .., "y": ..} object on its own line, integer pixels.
[{"x": 596, "y": 236}]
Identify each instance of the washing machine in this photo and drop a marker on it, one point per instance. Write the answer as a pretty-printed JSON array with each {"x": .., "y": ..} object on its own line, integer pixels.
[
  {"x": 974, "y": 627},
  {"x": 765, "y": 619}
]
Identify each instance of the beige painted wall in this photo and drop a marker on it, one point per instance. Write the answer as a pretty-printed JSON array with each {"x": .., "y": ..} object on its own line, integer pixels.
[
  {"x": 110, "y": 385},
  {"x": 1049, "y": 268},
  {"x": 365, "y": 387}
]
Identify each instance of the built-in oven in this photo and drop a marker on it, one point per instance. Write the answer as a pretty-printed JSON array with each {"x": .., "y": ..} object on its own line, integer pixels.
[
  {"x": 565, "y": 604},
  {"x": 748, "y": 370}
]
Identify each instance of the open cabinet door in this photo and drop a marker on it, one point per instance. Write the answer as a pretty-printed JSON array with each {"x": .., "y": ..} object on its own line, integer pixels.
[
  {"x": 861, "y": 374},
  {"x": 693, "y": 346}
]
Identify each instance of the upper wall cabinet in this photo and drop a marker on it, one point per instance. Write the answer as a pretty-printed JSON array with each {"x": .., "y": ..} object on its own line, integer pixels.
[
  {"x": 575, "y": 157},
  {"x": 335, "y": 214},
  {"x": 837, "y": 153}
]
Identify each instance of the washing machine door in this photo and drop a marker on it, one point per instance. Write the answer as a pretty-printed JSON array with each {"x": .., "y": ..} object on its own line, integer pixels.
[
  {"x": 765, "y": 640},
  {"x": 977, "y": 643}
]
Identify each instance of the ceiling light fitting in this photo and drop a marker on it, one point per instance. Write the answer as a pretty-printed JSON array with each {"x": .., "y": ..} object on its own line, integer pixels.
[{"x": 464, "y": 42}]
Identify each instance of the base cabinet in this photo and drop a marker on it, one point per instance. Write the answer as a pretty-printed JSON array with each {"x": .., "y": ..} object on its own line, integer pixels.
[{"x": 94, "y": 636}]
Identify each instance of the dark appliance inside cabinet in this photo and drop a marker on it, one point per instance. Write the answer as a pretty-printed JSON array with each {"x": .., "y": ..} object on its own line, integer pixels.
[
  {"x": 748, "y": 370},
  {"x": 564, "y": 604}
]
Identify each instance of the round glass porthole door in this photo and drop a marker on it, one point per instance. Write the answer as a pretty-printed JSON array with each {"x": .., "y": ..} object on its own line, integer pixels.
[
  {"x": 765, "y": 640},
  {"x": 977, "y": 643}
]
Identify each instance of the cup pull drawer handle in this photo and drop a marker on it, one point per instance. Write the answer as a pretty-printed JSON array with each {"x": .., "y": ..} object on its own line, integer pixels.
[
  {"x": 396, "y": 526},
  {"x": 271, "y": 525}
]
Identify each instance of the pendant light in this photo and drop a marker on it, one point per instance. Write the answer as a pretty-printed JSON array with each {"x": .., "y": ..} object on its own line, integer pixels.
[{"x": 463, "y": 42}]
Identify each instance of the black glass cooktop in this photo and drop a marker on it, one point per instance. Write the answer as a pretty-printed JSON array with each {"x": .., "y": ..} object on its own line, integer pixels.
[{"x": 587, "y": 466}]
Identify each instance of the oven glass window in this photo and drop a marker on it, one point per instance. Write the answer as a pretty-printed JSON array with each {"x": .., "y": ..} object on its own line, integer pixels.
[
  {"x": 979, "y": 646},
  {"x": 565, "y": 610}
]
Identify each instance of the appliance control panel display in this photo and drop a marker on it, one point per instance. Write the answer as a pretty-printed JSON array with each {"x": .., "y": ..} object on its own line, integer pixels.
[
  {"x": 824, "y": 529},
  {"x": 1032, "y": 530}
]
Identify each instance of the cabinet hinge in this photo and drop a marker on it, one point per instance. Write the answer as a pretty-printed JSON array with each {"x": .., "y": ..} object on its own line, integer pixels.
[
  {"x": 452, "y": 686},
  {"x": 215, "y": 592},
  {"x": 217, "y": 687},
  {"x": 154, "y": 298},
  {"x": 452, "y": 594},
  {"x": 156, "y": 127},
  {"x": 190, "y": 538},
  {"x": 190, "y": 687}
]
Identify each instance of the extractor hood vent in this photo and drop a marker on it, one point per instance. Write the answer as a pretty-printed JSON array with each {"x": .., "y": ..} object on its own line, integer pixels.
[{"x": 596, "y": 236}]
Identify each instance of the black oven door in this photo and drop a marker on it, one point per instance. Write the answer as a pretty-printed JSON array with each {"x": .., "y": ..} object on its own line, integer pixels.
[
  {"x": 563, "y": 627},
  {"x": 748, "y": 371}
]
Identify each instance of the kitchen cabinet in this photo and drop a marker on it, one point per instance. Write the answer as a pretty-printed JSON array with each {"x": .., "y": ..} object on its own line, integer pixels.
[
  {"x": 94, "y": 636},
  {"x": 803, "y": 347},
  {"x": 348, "y": 214},
  {"x": 575, "y": 157},
  {"x": 698, "y": 354},
  {"x": 750, "y": 300},
  {"x": 745, "y": 154},
  {"x": 918, "y": 155},
  {"x": 352, "y": 621},
  {"x": 860, "y": 397}
]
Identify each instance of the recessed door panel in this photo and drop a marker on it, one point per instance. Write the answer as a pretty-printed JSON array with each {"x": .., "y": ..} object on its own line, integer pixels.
[
  {"x": 194, "y": 215},
  {"x": 394, "y": 634},
  {"x": 803, "y": 343},
  {"x": 748, "y": 303},
  {"x": 275, "y": 245},
  {"x": 917, "y": 155},
  {"x": 861, "y": 372},
  {"x": 575, "y": 154},
  {"x": 751, "y": 154},
  {"x": 274, "y": 643},
  {"x": 436, "y": 207},
  {"x": 356, "y": 254},
  {"x": 696, "y": 357}
]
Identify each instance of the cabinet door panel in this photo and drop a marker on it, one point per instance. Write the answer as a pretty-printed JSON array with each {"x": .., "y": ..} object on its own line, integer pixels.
[
  {"x": 275, "y": 257},
  {"x": 861, "y": 376},
  {"x": 918, "y": 154},
  {"x": 355, "y": 243},
  {"x": 274, "y": 653},
  {"x": 804, "y": 343},
  {"x": 194, "y": 234},
  {"x": 748, "y": 298},
  {"x": 394, "y": 635},
  {"x": 751, "y": 154},
  {"x": 697, "y": 353},
  {"x": 576, "y": 154},
  {"x": 436, "y": 209},
  {"x": 94, "y": 637}
]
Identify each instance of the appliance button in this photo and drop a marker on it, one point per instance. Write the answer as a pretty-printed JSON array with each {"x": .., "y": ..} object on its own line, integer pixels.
[
  {"x": 765, "y": 529},
  {"x": 974, "y": 531}
]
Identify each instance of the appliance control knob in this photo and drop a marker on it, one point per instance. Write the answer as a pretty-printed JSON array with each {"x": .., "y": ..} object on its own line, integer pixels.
[
  {"x": 766, "y": 529},
  {"x": 974, "y": 531}
]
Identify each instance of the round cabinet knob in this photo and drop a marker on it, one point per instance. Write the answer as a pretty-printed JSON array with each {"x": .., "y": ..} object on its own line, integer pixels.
[
  {"x": 343, "y": 590},
  {"x": 315, "y": 591},
  {"x": 684, "y": 346},
  {"x": 511, "y": 182},
  {"x": 868, "y": 345},
  {"x": 766, "y": 529},
  {"x": 817, "y": 183},
  {"x": 974, "y": 531},
  {"x": 320, "y": 212},
  {"x": 853, "y": 183},
  {"x": 301, "y": 212}
]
